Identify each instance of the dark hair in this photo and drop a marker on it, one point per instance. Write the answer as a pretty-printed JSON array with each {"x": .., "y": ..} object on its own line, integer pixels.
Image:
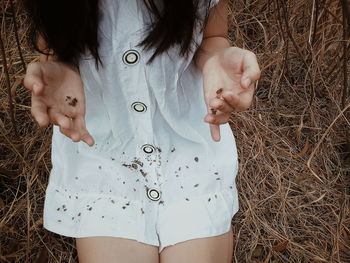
[{"x": 70, "y": 27}]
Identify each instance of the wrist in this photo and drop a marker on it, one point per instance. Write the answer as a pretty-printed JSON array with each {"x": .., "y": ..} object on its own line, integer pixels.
[{"x": 210, "y": 46}]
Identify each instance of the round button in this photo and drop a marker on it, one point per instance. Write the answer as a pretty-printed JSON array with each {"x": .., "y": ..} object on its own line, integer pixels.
[
  {"x": 139, "y": 106},
  {"x": 147, "y": 148},
  {"x": 131, "y": 57},
  {"x": 153, "y": 194}
]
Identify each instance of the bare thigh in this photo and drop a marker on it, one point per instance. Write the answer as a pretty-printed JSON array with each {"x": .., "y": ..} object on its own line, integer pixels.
[
  {"x": 217, "y": 249},
  {"x": 115, "y": 250}
]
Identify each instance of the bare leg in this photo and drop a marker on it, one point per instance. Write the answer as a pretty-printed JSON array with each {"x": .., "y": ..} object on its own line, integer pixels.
[
  {"x": 115, "y": 250},
  {"x": 217, "y": 249}
]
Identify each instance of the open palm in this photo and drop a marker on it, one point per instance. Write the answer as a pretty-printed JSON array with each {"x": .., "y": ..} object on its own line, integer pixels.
[
  {"x": 58, "y": 98},
  {"x": 229, "y": 78}
]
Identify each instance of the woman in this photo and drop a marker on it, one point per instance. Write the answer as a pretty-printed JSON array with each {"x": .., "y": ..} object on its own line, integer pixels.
[{"x": 137, "y": 174}]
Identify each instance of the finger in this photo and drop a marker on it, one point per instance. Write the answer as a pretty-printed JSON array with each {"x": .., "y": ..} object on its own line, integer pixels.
[
  {"x": 70, "y": 133},
  {"x": 219, "y": 118},
  {"x": 251, "y": 70},
  {"x": 39, "y": 111},
  {"x": 220, "y": 105},
  {"x": 33, "y": 78},
  {"x": 59, "y": 119},
  {"x": 85, "y": 136},
  {"x": 215, "y": 132},
  {"x": 240, "y": 101}
]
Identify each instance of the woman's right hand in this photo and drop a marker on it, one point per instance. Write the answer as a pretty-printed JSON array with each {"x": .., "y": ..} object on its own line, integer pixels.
[{"x": 58, "y": 98}]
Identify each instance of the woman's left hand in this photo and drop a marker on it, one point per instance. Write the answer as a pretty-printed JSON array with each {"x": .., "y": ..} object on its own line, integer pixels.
[{"x": 233, "y": 71}]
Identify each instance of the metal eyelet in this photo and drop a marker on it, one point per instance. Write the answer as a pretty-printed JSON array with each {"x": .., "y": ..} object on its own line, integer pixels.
[
  {"x": 131, "y": 57},
  {"x": 148, "y": 148},
  {"x": 153, "y": 194},
  {"x": 139, "y": 106}
]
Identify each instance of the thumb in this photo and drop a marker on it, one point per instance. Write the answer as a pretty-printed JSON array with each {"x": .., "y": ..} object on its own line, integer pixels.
[
  {"x": 251, "y": 70},
  {"x": 33, "y": 79}
]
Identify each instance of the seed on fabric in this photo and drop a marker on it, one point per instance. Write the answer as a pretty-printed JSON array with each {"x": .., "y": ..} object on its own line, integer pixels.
[
  {"x": 215, "y": 196},
  {"x": 134, "y": 165},
  {"x": 58, "y": 209},
  {"x": 159, "y": 149},
  {"x": 172, "y": 150},
  {"x": 70, "y": 196},
  {"x": 63, "y": 206},
  {"x": 218, "y": 178},
  {"x": 113, "y": 201},
  {"x": 128, "y": 203},
  {"x": 79, "y": 214},
  {"x": 179, "y": 168},
  {"x": 134, "y": 189},
  {"x": 90, "y": 208},
  {"x": 112, "y": 158},
  {"x": 161, "y": 202},
  {"x": 177, "y": 175},
  {"x": 99, "y": 167},
  {"x": 123, "y": 182},
  {"x": 137, "y": 180},
  {"x": 59, "y": 220},
  {"x": 142, "y": 172},
  {"x": 73, "y": 218},
  {"x": 65, "y": 209},
  {"x": 124, "y": 207},
  {"x": 196, "y": 159},
  {"x": 57, "y": 190},
  {"x": 216, "y": 173},
  {"x": 182, "y": 187},
  {"x": 123, "y": 152},
  {"x": 110, "y": 190},
  {"x": 103, "y": 216},
  {"x": 209, "y": 199},
  {"x": 137, "y": 161},
  {"x": 187, "y": 166},
  {"x": 230, "y": 186},
  {"x": 195, "y": 185},
  {"x": 142, "y": 211},
  {"x": 76, "y": 177},
  {"x": 76, "y": 197},
  {"x": 187, "y": 199}
]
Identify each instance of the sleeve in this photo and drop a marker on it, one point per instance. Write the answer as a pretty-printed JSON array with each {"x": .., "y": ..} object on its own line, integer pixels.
[{"x": 213, "y": 2}]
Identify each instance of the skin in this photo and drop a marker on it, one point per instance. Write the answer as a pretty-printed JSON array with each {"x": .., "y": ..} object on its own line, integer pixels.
[{"x": 233, "y": 69}]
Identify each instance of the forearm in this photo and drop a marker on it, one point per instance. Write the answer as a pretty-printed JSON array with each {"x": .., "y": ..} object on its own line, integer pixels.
[{"x": 209, "y": 46}]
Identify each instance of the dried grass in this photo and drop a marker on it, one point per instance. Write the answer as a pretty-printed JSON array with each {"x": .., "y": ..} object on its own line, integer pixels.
[{"x": 293, "y": 143}]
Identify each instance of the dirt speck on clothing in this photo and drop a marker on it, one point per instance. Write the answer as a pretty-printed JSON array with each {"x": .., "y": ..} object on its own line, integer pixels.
[
  {"x": 195, "y": 185},
  {"x": 187, "y": 199},
  {"x": 142, "y": 211},
  {"x": 196, "y": 159},
  {"x": 173, "y": 149}
]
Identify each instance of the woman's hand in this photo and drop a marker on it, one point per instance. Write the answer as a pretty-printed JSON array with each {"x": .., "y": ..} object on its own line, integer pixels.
[
  {"x": 230, "y": 74},
  {"x": 58, "y": 98}
]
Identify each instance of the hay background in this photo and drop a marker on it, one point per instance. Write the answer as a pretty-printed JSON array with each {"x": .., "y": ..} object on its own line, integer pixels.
[{"x": 293, "y": 142}]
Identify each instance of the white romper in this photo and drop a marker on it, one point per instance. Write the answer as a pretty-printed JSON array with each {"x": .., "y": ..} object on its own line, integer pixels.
[{"x": 154, "y": 175}]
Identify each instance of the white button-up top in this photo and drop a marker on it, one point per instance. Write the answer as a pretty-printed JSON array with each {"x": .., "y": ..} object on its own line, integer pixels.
[{"x": 151, "y": 142}]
